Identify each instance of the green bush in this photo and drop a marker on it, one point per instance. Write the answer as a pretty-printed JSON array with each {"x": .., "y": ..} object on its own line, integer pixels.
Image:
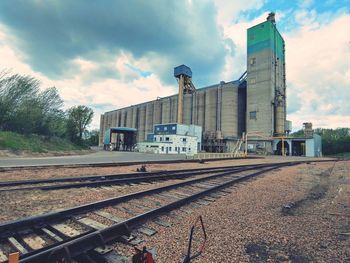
[{"x": 35, "y": 143}]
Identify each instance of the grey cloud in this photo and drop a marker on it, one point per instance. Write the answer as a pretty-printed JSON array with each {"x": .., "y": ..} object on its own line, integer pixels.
[{"x": 50, "y": 33}]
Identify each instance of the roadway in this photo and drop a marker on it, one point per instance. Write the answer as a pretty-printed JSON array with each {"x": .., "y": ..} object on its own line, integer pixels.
[{"x": 93, "y": 158}]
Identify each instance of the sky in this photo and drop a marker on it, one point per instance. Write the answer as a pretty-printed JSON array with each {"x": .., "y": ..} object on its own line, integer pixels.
[{"x": 110, "y": 54}]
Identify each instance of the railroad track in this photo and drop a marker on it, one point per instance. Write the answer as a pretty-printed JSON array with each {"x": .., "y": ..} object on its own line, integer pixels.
[
  {"x": 80, "y": 233},
  {"x": 113, "y": 179},
  {"x": 114, "y": 164}
]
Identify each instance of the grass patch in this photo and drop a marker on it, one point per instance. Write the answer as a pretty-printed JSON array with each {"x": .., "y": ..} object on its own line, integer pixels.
[{"x": 35, "y": 143}]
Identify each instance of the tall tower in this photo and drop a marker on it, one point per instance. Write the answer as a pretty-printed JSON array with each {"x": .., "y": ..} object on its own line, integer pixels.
[
  {"x": 184, "y": 76},
  {"x": 266, "y": 79}
]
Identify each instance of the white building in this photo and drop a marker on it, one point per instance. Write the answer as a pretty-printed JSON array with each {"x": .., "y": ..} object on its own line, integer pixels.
[{"x": 173, "y": 138}]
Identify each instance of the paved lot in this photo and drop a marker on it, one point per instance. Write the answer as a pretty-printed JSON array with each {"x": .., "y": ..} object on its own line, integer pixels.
[{"x": 98, "y": 157}]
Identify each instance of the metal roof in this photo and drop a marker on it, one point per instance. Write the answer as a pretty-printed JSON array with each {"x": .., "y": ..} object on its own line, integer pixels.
[{"x": 122, "y": 129}]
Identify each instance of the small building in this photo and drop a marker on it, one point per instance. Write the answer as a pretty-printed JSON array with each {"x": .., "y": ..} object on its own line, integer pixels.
[
  {"x": 119, "y": 139},
  {"x": 173, "y": 138},
  {"x": 303, "y": 146}
]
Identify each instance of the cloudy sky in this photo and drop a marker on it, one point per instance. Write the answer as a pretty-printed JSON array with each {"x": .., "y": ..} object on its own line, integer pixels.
[{"x": 113, "y": 53}]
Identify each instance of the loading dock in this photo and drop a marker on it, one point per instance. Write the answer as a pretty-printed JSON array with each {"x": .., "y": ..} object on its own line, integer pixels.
[
  {"x": 304, "y": 146},
  {"x": 120, "y": 139}
]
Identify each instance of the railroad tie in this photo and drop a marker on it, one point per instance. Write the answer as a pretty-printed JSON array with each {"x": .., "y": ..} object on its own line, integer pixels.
[
  {"x": 52, "y": 235},
  {"x": 17, "y": 245},
  {"x": 109, "y": 216},
  {"x": 92, "y": 223}
]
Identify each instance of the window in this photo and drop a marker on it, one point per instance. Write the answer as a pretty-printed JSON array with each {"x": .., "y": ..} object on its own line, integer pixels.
[
  {"x": 252, "y": 61},
  {"x": 165, "y": 128},
  {"x": 252, "y": 81},
  {"x": 157, "y": 128},
  {"x": 173, "y": 128},
  {"x": 175, "y": 148},
  {"x": 169, "y": 149},
  {"x": 162, "y": 148},
  {"x": 184, "y": 139},
  {"x": 189, "y": 149},
  {"x": 252, "y": 115},
  {"x": 167, "y": 139},
  {"x": 155, "y": 139},
  {"x": 184, "y": 149}
]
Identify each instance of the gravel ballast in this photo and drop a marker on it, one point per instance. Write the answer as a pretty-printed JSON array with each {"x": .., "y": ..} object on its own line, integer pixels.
[
  {"x": 294, "y": 214},
  {"x": 248, "y": 225}
]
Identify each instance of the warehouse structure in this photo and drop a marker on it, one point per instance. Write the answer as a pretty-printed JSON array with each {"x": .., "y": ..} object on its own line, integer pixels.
[
  {"x": 218, "y": 109},
  {"x": 254, "y": 104}
]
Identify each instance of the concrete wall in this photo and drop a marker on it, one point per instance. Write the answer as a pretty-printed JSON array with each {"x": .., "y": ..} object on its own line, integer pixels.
[
  {"x": 265, "y": 81},
  {"x": 214, "y": 108},
  {"x": 229, "y": 111},
  {"x": 260, "y": 93}
]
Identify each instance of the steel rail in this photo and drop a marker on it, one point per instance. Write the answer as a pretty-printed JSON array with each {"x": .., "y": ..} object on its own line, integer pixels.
[
  {"x": 124, "y": 175},
  {"x": 80, "y": 245},
  {"x": 133, "y": 178},
  {"x": 115, "y": 164},
  {"x": 113, "y": 176},
  {"x": 19, "y": 224}
]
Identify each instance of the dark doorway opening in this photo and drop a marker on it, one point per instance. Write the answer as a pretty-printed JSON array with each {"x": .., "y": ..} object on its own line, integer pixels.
[
  {"x": 298, "y": 148},
  {"x": 120, "y": 139},
  {"x": 286, "y": 148}
]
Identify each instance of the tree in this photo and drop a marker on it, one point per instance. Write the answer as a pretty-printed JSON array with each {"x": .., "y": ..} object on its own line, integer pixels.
[
  {"x": 334, "y": 141},
  {"x": 79, "y": 117},
  {"x": 92, "y": 137},
  {"x": 25, "y": 109}
]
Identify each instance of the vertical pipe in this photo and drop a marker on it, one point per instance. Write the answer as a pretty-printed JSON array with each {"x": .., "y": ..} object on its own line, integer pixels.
[
  {"x": 180, "y": 100},
  {"x": 245, "y": 138},
  {"x": 194, "y": 109},
  {"x": 170, "y": 110},
  {"x": 217, "y": 109}
]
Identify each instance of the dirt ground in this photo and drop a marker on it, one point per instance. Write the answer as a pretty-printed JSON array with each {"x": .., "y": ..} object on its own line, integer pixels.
[{"x": 296, "y": 214}]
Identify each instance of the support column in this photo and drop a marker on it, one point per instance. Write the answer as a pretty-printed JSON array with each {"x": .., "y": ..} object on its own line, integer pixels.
[{"x": 180, "y": 100}]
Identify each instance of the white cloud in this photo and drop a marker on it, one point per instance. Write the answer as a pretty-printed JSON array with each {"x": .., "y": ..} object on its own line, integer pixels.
[
  {"x": 234, "y": 28},
  {"x": 317, "y": 56},
  {"x": 228, "y": 11},
  {"x": 305, "y": 3},
  {"x": 130, "y": 89},
  {"x": 237, "y": 32},
  {"x": 318, "y": 71}
]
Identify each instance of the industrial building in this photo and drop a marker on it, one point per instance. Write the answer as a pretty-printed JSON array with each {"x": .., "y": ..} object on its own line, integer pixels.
[
  {"x": 173, "y": 138},
  {"x": 254, "y": 104}
]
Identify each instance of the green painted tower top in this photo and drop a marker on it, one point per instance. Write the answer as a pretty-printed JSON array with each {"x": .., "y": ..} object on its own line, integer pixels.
[{"x": 265, "y": 36}]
